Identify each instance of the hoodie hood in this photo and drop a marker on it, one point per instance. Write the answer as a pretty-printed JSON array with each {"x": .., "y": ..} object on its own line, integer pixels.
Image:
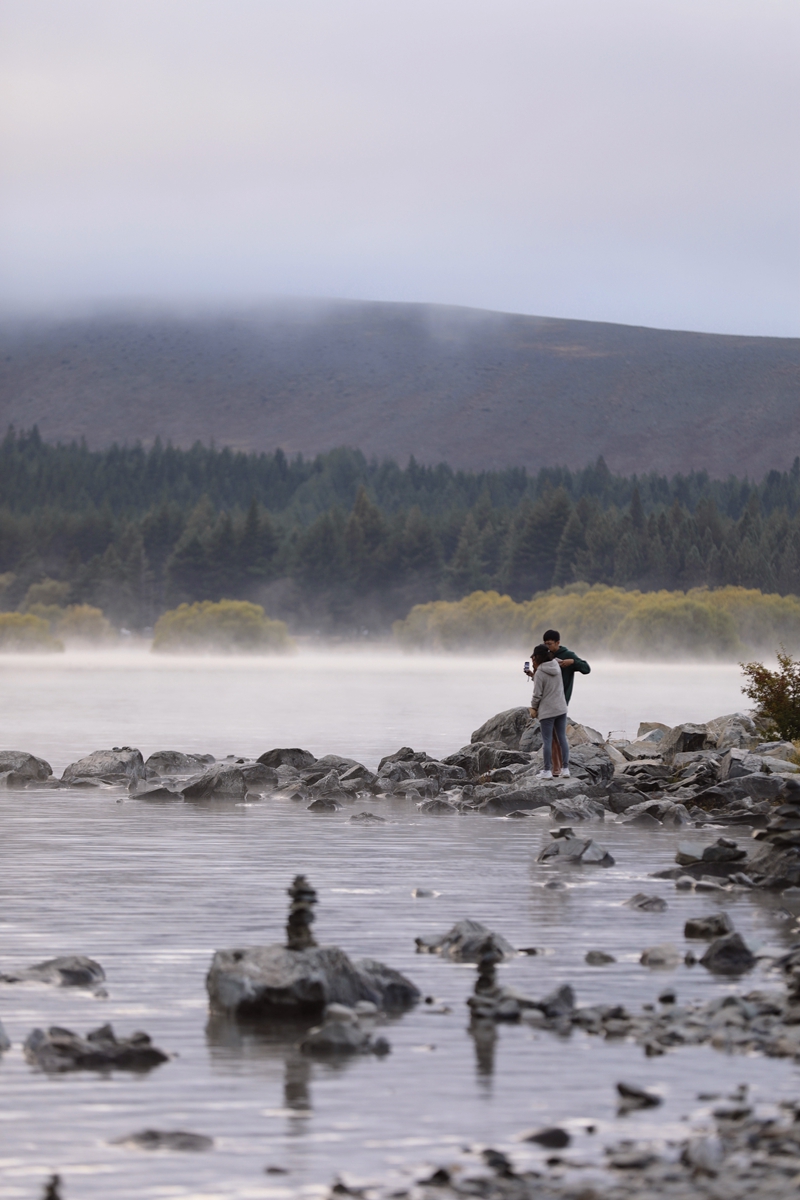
[{"x": 549, "y": 668}]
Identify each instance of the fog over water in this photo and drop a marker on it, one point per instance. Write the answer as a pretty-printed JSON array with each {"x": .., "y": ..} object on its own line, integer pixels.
[{"x": 356, "y": 703}]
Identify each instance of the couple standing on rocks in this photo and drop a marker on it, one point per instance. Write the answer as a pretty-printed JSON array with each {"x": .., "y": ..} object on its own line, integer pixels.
[{"x": 553, "y": 673}]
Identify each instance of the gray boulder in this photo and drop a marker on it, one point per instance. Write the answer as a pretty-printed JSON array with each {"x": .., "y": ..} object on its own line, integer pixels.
[
  {"x": 333, "y": 762},
  {"x": 342, "y": 1033},
  {"x": 577, "y": 808},
  {"x": 174, "y": 762},
  {"x": 70, "y": 970},
  {"x": 59, "y": 1050},
  {"x": 728, "y": 955},
  {"x": 666, "y": 812},
  {"x": 324, "y": 804},
  {"x": 683, "y": 739},
  {"x": 531, "y": 739},
  {"x": 475, "y": 759},
  {"x": 567, "y": 848},
  {"x": 465, "y": 942},
  {"x": 661, "y": 957},
  {"x": 594, "y": 761},
  {"x": 231, "y": 781},
  {"x": 506, "y": 727},
  {"x": 18, "y": 769},
  {"x": 502, "y": 802},
  {"x": 437, "y": 808},
  {"x": 707, "y": 928},
  {"x": 644, "y": 903},
  {"x": 119, "y": 765},
  {"x": 723, "y": 851},
  {"x": 272, "y": 981},
  {"x": 404, "y": 754},
  {"x": 291, "y": 757}
]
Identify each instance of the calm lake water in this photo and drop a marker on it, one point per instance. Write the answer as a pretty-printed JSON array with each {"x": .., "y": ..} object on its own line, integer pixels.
[{"x": 152, "y": 889}]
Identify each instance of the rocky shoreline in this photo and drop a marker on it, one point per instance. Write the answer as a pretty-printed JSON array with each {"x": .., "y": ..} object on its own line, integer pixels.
[{"x": 722, "y": 774}]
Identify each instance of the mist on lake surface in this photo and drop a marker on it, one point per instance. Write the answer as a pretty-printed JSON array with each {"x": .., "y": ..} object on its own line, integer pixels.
[{"x": 359, "y": 704}]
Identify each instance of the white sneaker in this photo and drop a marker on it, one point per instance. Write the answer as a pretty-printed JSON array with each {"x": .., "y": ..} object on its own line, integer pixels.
[
  {"x": 544, "y": 775},
  {"x": 565, "y": 772}
]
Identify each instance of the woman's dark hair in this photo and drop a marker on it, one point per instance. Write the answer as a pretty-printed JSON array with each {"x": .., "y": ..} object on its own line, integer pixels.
[{"x": 541, "y": 653}]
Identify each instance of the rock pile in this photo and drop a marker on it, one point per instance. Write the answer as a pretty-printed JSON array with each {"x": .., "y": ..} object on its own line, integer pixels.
[{"x": 301, "y": 977}]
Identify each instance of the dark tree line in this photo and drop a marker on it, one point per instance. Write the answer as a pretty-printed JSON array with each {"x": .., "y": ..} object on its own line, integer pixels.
[{"x": 341, "y": 542}]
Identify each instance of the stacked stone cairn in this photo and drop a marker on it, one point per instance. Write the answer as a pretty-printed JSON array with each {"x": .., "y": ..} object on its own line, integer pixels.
[{"x": 301, "y": 915}]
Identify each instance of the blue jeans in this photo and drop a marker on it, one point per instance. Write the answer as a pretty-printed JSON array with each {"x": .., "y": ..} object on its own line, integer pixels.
[{"x": 548, "y": 725}]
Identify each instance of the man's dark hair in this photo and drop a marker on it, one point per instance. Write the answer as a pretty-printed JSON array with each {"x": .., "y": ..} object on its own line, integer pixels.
[
  {"x": 551, "y": 635},
  {"x": 542, "y": 654}
]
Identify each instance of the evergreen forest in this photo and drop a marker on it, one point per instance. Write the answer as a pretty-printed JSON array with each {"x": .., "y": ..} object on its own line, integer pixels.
[{"x": 342, "y": 545}]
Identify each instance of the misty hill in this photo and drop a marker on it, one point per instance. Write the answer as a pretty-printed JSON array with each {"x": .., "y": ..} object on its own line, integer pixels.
[{"x": 475, "y": 389}]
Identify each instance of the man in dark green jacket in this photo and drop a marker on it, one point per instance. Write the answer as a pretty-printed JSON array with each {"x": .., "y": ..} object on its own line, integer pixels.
[{"x": 567, "y": 660}]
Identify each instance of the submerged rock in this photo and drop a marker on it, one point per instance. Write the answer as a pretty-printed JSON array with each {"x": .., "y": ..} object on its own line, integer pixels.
[
  {"x": 728, "y": 955},
  {"x": 437, "y": 808},
  {"x": 342, "y": 1033},
  {"x": 465, "y": 942},
  {"x": 664, "y": 956},
  {"x": 567, "y": 848},
  {"x": 60, "y": 1050},
  {"x": 366, "y": 818},
  {"x": 645, "y": 903},
  {"x": 5, "y": 1040},
  {"x": 706, "y": 928},
  {"x": 552, "y": 1138},
  {"x": 165, "y": 1139},
  {"x": 633, "y": 1097},
  {"x": 598, "y": 958},
  {"x": 70, "y": 970},
  {"x": 324, "y": 804}
]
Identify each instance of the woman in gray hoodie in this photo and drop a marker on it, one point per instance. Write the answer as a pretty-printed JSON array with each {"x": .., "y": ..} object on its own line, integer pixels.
[{"x": 549, "y": 705}]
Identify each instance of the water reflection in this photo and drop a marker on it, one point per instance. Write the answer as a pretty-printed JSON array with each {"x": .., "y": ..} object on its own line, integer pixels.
[{"x": 484, "y": 1037}]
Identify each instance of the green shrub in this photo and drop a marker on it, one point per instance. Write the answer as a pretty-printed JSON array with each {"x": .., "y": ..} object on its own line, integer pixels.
[
  {"x": 23, "y": 632},
  {"x": 600, "y": 619},
  {"x": 83, "y": 623},
  {"x": 230, "y": 626},
  {"x": 776, "y": 695}
]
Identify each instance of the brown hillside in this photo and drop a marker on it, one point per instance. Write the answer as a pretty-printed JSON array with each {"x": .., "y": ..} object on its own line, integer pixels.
[{"x": 476, "y": 389}]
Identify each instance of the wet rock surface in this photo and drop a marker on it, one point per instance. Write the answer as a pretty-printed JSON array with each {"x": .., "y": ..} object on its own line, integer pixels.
[
  {"x": 301, "y": 977},
  {"x": 120, "y": 765},
  {"x": 465, "y": 943},
  {"x": 18, "y": 769},
  {"x": 57, "y": 1050},
  {"x": 70, "y": 970}
]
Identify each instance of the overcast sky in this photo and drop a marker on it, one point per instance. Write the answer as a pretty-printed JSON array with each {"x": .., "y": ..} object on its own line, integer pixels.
[{"x": 616, "y": 160}]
